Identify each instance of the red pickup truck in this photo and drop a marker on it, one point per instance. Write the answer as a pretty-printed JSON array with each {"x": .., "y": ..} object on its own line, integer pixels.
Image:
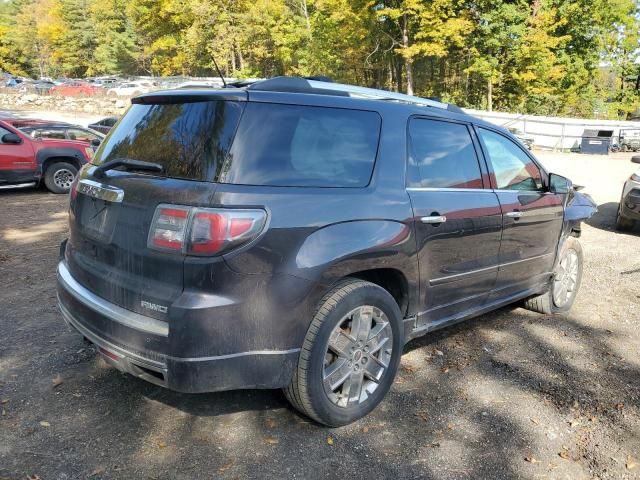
[{"x": 26, "y": 161}]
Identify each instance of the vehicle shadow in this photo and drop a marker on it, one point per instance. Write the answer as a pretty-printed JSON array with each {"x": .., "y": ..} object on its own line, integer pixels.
[
  {"x": 436, "y": 406},
  {"x": 605, "y": 218}
]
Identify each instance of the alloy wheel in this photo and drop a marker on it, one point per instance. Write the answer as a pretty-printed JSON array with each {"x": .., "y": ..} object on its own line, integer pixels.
[
  {"x": 357, "y": 356},
  {"x": 566, "y": 279}
]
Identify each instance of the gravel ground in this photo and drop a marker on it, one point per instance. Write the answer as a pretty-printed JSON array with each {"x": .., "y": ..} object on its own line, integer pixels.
[{"x": 511, "y": 394}]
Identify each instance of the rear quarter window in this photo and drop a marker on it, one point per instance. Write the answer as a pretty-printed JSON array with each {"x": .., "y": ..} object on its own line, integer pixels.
[{"x": 303, "y": 146}]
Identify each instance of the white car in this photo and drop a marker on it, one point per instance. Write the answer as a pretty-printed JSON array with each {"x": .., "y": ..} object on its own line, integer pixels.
[
  {"x": 628, "y": 214},
  {"x": 130, "y": 89},
  {"x": 201, "y": 84}
]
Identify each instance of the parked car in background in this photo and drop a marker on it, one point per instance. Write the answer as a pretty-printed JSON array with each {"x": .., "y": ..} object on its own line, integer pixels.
[
  {"x": 41, "y": 87},
  {"x": 12, "y": 82},
  {"x": 527, "y": 140},
  {"x": 105, "y": 82},
  {"x": 201, "y": 84},
  {"x": 297, "y": 233},
  {"x": 76, "y": 87},
  {"x": 628, "y": 215},
  {"x": 104, "y": 125},
  {"x": 629, "y": 140},
  {"x": 61, "y": 131},
  {"x": 26, "y": 161},
  {"x": 129, "y": 89}
]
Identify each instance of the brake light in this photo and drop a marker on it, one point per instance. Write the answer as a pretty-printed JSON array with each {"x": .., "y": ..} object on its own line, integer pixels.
[
  {"x": 203, "y": 231},
  {"x": 73, "y": 191},
  {"x": 168, "y": 230}
]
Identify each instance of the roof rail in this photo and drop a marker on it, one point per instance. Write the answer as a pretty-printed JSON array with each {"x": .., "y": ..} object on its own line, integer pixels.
[
  {"x": 376, "y": 94},
  {"x": 302, "y": 85}
]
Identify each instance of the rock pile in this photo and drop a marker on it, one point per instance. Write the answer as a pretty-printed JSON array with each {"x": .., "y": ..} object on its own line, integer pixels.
[{"x": 94, "y": 105}]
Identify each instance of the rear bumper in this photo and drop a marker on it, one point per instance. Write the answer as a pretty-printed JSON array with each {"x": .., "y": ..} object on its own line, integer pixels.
[{"x": 141, "y": 346}]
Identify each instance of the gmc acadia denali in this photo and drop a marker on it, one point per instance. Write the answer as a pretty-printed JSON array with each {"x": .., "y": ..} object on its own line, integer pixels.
[{"x": 295, "y": 233}]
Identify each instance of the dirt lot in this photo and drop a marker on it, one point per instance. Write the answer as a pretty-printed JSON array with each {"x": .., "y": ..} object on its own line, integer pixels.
[{"x": 509, "y": 394}]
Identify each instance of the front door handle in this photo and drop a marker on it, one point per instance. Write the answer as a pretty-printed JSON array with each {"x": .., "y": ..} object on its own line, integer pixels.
[
  {"x": 434, "y": 219},
  {"x": 515, "y": 214}
]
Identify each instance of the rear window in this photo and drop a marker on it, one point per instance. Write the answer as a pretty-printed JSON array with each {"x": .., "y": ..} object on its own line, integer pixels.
[
  {"x": 303, "y": 146},
  {"x": 190, "y": 140}
]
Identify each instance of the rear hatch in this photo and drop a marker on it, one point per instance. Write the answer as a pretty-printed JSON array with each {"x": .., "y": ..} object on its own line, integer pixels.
[{"x": 188, "y": 134}]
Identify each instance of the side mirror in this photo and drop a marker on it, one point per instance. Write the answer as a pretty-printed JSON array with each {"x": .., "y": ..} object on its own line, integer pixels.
[
  {"x": 635, "y": 159},
  {"x": 11, "y": 138},
  {"x": 96, "y": 142},
  {"x": 559, "y": 184}
]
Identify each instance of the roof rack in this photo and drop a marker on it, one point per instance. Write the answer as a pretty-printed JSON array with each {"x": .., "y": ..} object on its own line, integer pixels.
[{"x": 327, "y": 87}]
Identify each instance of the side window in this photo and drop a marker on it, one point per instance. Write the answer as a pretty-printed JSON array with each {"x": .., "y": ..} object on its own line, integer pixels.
[
  {"x": 513, "y": 169},
  {"x": 80, "y": 135},
  {"x": 303, "y": 146},
  {"x": 3, "y": 132},
  {"x": 441, "y": 155},
  {"x": 55, "y": 134}
]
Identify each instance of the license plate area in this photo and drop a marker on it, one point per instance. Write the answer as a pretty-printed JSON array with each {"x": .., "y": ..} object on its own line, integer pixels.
[
  {"x": 98, "y": 219},
  {"x": 98, "y": 209}
]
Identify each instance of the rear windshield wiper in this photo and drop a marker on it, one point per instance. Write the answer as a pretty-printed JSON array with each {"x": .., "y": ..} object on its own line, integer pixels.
[{"x": 128, "y": 165}]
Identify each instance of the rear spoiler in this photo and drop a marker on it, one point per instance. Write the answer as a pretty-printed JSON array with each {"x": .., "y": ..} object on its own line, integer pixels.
[{"x": 164, "y": 97}]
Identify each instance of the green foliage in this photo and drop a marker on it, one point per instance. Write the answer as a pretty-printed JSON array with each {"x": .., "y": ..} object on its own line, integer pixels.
[{"x": 554, "y": 57}]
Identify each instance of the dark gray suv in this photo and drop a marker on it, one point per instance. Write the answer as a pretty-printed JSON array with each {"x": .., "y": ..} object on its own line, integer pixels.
[{"x": 297, "y": 233}]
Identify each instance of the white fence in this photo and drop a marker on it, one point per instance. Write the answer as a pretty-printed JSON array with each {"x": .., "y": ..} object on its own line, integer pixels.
[{"x": 552, "y": 132}]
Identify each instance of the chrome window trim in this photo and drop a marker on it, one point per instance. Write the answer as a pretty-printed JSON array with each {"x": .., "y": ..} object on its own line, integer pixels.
[
  {"x": 445, "y": 189},
  {"x": 506, "y": 190},
  {"x": 114, "y": 312},
  {"x": 494, "y": 190}
]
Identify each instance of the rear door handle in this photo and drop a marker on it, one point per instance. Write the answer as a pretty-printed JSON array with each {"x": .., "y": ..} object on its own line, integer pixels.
[
  {"x": 514, "y": 214},
  {"x": 434, "y": 219}
]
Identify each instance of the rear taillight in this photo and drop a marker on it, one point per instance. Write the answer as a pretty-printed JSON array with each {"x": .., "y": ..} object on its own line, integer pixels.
[
  {"x": 168, "y": 229},
  {"x": 203, "y": 231},
  {"x": 73, "y": 192}
]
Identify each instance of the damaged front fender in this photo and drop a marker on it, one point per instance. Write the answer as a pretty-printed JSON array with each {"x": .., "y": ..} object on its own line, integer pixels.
[{"x": 580, "y": 207}]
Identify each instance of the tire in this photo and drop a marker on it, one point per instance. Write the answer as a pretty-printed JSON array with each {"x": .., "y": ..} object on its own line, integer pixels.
[
  {"x": 552, "y": 301},
  {"x": 623, "y": 224},
  {"x": 59, "y": 176},
  {"x": 332, "y": 406}
]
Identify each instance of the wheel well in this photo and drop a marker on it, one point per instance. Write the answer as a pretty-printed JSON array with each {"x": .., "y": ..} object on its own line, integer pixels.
[
  {"x": 52, "y": 160},
  {"x": 393, "y": 281}
]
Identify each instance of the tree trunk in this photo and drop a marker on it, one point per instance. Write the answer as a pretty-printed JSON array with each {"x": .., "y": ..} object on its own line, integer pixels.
[
  {"x": 240, "y": 60},
  {"x": 489, "y": 94},
  {"x": 408, "y": 63},
  {"x": 398, "y": 65},
  {"x": 305, "y": 13}
]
